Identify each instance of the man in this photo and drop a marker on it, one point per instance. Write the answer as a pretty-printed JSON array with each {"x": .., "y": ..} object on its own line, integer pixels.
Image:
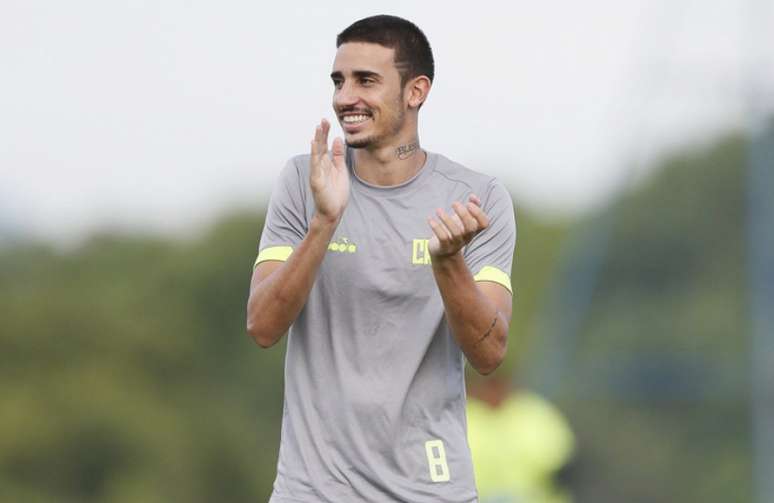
[
  {"x": 389, "y": 264},
  {"x": 522, "y": 446}
]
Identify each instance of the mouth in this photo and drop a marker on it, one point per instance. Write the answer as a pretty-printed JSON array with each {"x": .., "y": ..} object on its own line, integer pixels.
[{"x": 353, "y": 122}]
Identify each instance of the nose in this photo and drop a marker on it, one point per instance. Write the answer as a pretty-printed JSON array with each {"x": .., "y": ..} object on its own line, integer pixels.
[{"x": 345, "y": 96}]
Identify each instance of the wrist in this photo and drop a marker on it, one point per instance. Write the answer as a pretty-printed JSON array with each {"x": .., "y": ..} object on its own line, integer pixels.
[
  {"x": 324, "y": 223},
  {"x": 453, "y": 260}
]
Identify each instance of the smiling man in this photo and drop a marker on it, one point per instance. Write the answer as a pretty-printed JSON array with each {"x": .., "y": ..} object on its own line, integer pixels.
[{"x": 388, "y": 266}]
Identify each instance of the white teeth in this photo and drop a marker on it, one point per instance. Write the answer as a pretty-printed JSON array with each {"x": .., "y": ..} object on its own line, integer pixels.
[{"x": 352, "y": 119}]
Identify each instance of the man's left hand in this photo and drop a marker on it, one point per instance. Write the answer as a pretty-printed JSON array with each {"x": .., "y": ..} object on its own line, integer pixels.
[{"x": 452, "y": 232}]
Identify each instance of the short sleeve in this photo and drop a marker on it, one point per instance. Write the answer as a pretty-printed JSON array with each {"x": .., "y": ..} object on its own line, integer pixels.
[
  {"x": 286, "y": 222},
  {"x": 490, "y": 255}
]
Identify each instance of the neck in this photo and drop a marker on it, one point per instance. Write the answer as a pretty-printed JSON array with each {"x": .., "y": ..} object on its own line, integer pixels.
[
  {"x": 493, "y": 391},
  {"x": 390, "y": 164}
]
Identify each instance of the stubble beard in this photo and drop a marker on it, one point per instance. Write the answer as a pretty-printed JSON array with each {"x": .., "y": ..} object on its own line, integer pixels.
[{"x": 362, "y": 143}]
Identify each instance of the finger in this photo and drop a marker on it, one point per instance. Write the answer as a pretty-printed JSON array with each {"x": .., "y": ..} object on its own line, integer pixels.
[
  {"x": 468, "y": 221},
  {"x": 321, "y": 137},
  {"x": 474, "y": 199},
  {"x": 316, "y": 141},
  {"x": 458, "y": 223},
  {"x": 479, "y": 215},
  {"x": 338, "y": 153},
  {"x": 326, "y": 126},
  {"x": 455, "y": 228},
  {"x": 439, "y": 230}
]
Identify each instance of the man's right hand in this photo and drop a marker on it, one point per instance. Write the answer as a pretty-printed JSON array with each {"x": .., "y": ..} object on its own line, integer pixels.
[{"x": 328, "y": 177}]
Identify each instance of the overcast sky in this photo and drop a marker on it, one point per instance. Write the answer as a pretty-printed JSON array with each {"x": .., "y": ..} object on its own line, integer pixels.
[{"x": 160, "y": 115}]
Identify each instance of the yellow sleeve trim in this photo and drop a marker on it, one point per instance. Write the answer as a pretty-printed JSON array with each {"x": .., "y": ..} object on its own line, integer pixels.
[
  {"x": 280, "y": 253},
  {"x": 495, "y": 275}
]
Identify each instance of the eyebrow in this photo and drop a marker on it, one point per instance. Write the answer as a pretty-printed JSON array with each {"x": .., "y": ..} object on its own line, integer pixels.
[{"x": 357, "y": 74}]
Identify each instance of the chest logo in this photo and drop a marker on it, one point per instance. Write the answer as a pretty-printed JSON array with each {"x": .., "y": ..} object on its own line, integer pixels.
[
  {"x": 420, "y": 253},
  {"x": 343, "y": 245}
]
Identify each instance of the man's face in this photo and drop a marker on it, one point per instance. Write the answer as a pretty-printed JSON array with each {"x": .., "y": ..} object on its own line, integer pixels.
[{"x": 368, "y": 97}]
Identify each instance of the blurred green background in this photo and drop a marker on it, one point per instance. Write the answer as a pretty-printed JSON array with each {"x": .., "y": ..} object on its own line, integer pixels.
[{"x": 126, "y": 374}]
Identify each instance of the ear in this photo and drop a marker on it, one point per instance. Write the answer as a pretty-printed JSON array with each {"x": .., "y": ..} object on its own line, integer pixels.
[{"x": 417, "y": 90}]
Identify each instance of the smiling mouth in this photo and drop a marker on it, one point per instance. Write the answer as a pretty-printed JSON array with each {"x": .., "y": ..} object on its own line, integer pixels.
[{"x": 354, "y": 119}]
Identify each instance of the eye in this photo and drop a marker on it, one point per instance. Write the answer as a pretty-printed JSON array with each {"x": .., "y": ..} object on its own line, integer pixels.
[
  {"x": 367, "y": 81},
  {"x": 337, "y": 83}
]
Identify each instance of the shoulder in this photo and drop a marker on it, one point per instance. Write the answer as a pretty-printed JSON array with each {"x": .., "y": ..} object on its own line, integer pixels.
[
  {"x": 298, "y": 165},
  {"x": 455, "y": 172},
  {"x": 294, "y": 177},
  {"x": 296, "y": 171},
  {"x": 485, "y": 186}
]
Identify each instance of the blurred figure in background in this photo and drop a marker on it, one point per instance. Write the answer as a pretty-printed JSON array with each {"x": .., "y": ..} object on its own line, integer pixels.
[{"x": 522, "y": 446}]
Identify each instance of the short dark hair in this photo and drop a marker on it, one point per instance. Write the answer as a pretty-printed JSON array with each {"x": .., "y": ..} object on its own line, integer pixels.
[{"x": 413, "y": 55}]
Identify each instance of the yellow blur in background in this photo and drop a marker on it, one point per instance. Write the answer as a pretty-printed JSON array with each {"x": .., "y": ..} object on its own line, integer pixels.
[{"x": 520, "y": 444}]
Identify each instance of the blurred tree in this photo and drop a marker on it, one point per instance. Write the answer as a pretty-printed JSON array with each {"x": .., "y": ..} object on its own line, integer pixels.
[
  {"x": 127, "y": 376},
  {"x": 657, "y": 387},
  {"x": 538, "y": 245}
]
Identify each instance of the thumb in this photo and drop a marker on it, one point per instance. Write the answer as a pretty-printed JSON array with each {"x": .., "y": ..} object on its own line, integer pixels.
[{"x": 338, "y": 152}]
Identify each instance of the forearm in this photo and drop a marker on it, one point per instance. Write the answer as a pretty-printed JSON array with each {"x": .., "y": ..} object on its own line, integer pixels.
[
  {"x": 479, "y": 328},
  {"x": 276, "y": 301}
]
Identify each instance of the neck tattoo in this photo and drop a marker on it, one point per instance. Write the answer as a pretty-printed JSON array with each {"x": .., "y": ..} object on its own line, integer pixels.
[{"x": 406, "y": 151}]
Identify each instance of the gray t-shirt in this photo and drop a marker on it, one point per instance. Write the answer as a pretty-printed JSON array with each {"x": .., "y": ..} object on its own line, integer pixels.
[{"x": 374, "y": 383}]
